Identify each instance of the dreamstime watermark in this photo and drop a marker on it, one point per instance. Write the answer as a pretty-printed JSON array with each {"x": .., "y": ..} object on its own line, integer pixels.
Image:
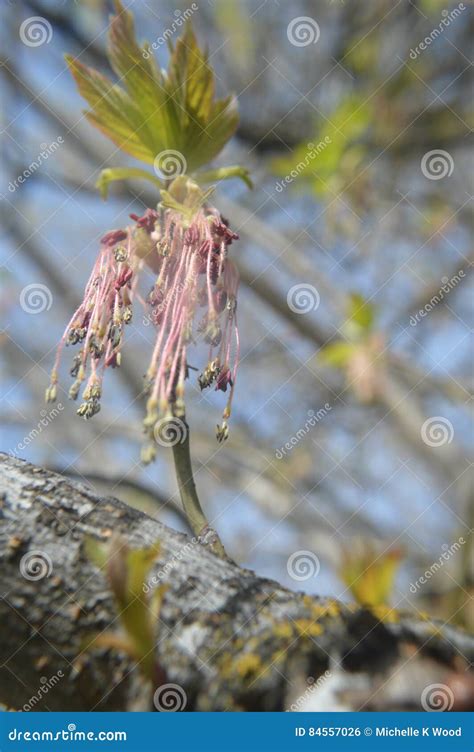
[
  {"x": 448, "y": 552},
  {"x": 35, "y": 31},
  {"x": 69, "y": 734},
  {"x": 437, "y": 164},
  {"x": 35, "y": 565},
  {"x": 448, "y": 285},
  {"x": 159, "y": 309},
  {"x": 46, "y": 418},
  {"x": 162, "y": 307},
  {"x": 170, "y": 163},
  {"x": 312, "y": 420},
  {"x": 45, "y": 685},
  {"x": 437, "y": 698},
  {"x": 170, "y": 698},
  {"x": 169, "y": 432},
  {"x": 313, "y": 151},
  {"x": 36, "y": 298},
  {"x": 169, "y": 566},
  {"x": 180, "y": 19},
  {"x": 43, "y": 156},
  {"x": 437, "y": 431},
  {"x": 448, "y": 17},
  {"x": 302, "y": 565},
  {"x": 312, "y": 687},
  {"x": 302, "y": 31},
  {"x": 303, "y": 298}
]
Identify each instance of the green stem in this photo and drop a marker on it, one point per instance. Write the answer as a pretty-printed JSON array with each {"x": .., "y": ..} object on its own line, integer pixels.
[{"x": 189, "y": 498}]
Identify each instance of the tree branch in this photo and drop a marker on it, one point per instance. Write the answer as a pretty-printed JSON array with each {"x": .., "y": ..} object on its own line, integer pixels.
[{"x": 229, "y": 639}]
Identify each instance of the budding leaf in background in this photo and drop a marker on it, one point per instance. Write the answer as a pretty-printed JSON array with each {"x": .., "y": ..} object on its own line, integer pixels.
[
  {"x": 337, "y": 354},
  {"x": 356, "y": 327},
  {"x": 328, "y": 161},
  {"x": 127, "y": 572},
  {"x": 361, "y": 316},
  {"x": 151, "y": 111},
  {"x": 359, "y": 353},
  {"x": 369, "y": 574}
]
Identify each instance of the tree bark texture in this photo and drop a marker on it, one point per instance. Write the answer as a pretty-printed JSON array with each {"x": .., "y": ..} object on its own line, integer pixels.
[{"x": 228, "y": 639}]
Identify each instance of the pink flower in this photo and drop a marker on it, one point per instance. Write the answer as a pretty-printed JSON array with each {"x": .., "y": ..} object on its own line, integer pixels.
[
  {"x": 194, "y": 294},
  {"x": 113, "y": 237},
  {"x": 224, "y": 379}
]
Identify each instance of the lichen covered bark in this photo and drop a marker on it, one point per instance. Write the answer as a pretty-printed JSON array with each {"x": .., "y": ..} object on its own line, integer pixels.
[{"x": 229, "y": 639}]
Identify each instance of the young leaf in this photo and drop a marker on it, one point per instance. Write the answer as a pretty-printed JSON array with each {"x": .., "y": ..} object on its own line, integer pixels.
[
  {"x": 110, "y": 174},
  {"x": 127, "y": 571},
  {"x": 336, "y": 354},
  {"x": 150, "y": 112},
  {"x": 361, "y": 312},
  {"x": 224, "y": 173},
  {"x": 369, "y": 574},
  {"x": 113, "y": 112}
]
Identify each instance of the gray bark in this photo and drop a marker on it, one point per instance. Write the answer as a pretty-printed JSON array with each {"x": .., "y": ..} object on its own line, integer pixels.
[{"x": 231, "y": 640}]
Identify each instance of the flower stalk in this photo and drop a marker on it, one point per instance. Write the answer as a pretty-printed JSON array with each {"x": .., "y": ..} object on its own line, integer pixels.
[
  {"x": 190, "y": 500},
  {"x": 173, "y": 121}
]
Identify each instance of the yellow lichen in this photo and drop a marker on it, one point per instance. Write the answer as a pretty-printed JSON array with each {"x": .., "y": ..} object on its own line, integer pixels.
[
  {"x": 247, "y": 664},
  {"x": 331, "y": 608},
  {"x": 283, "y": 630},
  {"x": 279, "y": 656},
  {"x": 307, "y": 628},
  {"x": 386, "y": 614}
]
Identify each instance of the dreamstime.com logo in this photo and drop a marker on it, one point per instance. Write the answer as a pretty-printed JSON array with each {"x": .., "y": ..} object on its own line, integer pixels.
[
  {"x": 35, "y": 31},
  {"x": 69, "y": 734},
  {"x": 46, "y": 151},
  {"x": 169, "y": 432},
  {"x": 303, "y": 31},
  {"x": 46, "y": 418},
  {"x": 180, "y": 19},
  {"x": 313, "y": 151},
  {"x": 303, "y": 298},
  {"x": 170, "y": 163},
  {"x": 35, "y": 565},
  {"x": 437, "y": 164},
  {"x": 170, "y": 698},
  {"x": 165, "y": 304},
  {"x": 313, "y": 686},
  {"x": 448, "y": 552},
  {"x": 302, "y": 565},
  {"x": 437, "y": 431},
  {"x": 312, "y": 420},
  {"x": 448, "y": 16},
  {"x": 36, "y": 298},
  {"x": 168, "y": 567},
  {"x": 45, "y": 685},
  {"x": 437, "y": 698},
  {"x": 448, "y": 285}
]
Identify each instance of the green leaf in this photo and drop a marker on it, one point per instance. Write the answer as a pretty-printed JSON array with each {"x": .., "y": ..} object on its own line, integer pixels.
[
  {"x": 224, "y": 173},
  {"x": 205, "y": 124},
  {"x": 335, "y": 148},
  {"x": 361, "y": 313},
  {"x": 110, "y": 174},
  {"x": 336, "y": 354},
  {"x": 113, "y": 112},
  {"x": 149, "y": 111},
  {"x": 369, "y": 573},
  {"x": 128, "y": 572},
  {"x": 96, "y": 552}
]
